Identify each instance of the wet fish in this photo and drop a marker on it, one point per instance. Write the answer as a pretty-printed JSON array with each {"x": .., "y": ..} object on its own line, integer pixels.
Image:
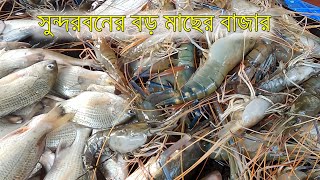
[
  {"x": 66, "y": 133},
  {"x": 115, "y": 168},
  {"x": 7, "y": 127},
  {"x": 14, "y": 45},
  {"x": 68, "y": 163},
  {"x": 10, "y": 62},
  {"x": 21, "y": 150},
  {"x": 73, "y": 80},
  {"x": 19, "y": 29},
  {"x": 25, "y": 113},
  {"x": 47, "y": 159},
  {"x": 98, "y": 110},
  {"x": 46, "y": 54},
  {"x": 26, "y": 86}
]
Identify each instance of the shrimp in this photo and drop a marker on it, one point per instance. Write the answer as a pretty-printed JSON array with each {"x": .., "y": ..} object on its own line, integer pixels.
[
  {"x": 307, "y": 104},
  {"x": 295, "y": 75},
  {"x": 292, "y": 32},
  {"x": 106, "y": 55},
  {"x": 147, "y": 112},
  {"x": 149, "y": 45},
  {"x": 256, "y": 57},
  {"x": 156, "y": 65},
  {"x": 249, "y": 116},
  {"x": 184, "y": 68},
  {"x": 209, "y": 77},
  {"x": 179, "y": 161},
  {"x": 122, "y": 139},
  {"x": 185, "y": 58}
]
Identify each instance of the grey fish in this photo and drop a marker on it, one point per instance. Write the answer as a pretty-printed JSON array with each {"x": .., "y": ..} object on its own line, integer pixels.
[
  {"x": 46, "y": 54},
  {"x": 66, "y": 133},
  {"x": 7, "y": 127},
  {"x": 73, "y": 80},
  {"x": 115, "y": 168},
  {"x": 21, "y": 150},
  {"x": 98, "y": 110},
  {"x": 25, "y": 113},
  {"x": 14, "y": 45},
  {"x": 68, "y": 163},
  {"x": 10, "y": 62},
  {"x": 26, "y": 86}
]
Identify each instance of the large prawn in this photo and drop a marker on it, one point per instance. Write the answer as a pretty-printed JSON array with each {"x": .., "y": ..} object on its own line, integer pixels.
[{"x": 209, "y": 77}]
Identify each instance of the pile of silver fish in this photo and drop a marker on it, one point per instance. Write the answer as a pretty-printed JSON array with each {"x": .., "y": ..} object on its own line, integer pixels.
[{"x": 211, "y": 106}]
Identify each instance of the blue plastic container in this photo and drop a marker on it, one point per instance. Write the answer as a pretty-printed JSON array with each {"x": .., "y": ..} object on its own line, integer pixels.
[{"x": 304, "y": 8}]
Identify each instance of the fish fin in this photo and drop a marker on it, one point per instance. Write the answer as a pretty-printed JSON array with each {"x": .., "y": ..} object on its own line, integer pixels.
[
  {"x": 57, "y": 117},
  {"x": 35, "y": 57},
  {"x": 81, "y": 79},
  {"x": 14, "y": 119},
  {"x": 61, "y": 146},
  {"x": 42, "y": 142}
]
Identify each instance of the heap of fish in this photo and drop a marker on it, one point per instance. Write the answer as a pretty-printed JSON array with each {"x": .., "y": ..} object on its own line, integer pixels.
[{"x": 156, "y": 106}]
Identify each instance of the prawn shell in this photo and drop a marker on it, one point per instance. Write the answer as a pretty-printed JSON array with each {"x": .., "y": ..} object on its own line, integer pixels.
[{"x": 254, "y": 112}]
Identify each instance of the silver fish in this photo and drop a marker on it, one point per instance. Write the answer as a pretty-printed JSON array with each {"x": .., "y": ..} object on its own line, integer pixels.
[
  {"x": 10, "y": 62},
  {"x": 73, "y": 80},
  {"x": 14, "y": 45},
  {"x": 26, "y": 86},
  {"x": 21, "y": 150},
  {"x": 115, "y": 168},
  {"x": 66, "y": 133},
  {"x": 98, "y": 110},
  {"x": 46, "y": 54},
  {"x": 68, "y": 163}
]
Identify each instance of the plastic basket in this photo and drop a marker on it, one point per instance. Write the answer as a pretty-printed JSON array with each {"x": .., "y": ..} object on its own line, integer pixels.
[{"x": 304, "y": 8}]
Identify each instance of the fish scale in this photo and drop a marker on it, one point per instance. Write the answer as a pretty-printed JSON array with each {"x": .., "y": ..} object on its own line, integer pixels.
[
  {"x": 27, "y": 141},
  {"x": 30, "y": 86},
  {"x": 73, "y": 80},
  {"x": 68, "y": 163},
  {"x": 67, "y": 82},
  {"x": 18, "y": 95},
  {"x": 66, "y": 133},
  {"x": 19, "y": 159},
  {"x": 97, "y": 110}
]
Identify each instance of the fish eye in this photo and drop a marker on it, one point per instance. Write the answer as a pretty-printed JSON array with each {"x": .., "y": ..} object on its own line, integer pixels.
[
  {"x": 50, "y": 66},
  {"x": 131, "y": 112}
]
